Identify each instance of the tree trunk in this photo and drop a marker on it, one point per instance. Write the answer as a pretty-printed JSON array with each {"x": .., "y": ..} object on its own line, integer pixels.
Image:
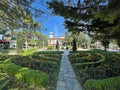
[
  {"x": 74, "y": 45},
  {"x": 105, "y": 43},
  {"x": 105, "y": 48}
]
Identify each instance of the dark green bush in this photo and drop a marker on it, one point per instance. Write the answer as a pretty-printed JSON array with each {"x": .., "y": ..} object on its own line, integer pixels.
[
  {"x": 49, "y": 52},
  {"x": 105, "y": 84},
  {"x": 47, "y": 65},
  {"x": 6, "y": 46}
]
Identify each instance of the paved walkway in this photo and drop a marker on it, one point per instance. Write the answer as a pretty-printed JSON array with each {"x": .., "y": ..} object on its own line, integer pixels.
[{"x": 67, "y": 79}]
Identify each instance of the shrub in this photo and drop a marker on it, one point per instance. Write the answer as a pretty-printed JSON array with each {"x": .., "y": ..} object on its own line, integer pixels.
[
  {"x": 6, "y": 46},
  {"x": 105, "y": 84},
  {"x": 26, "y": 75},
  {"x": 92, "y": 63},
  {"x": 49, "y": 52},
  {"x": 50, "y": 48}
]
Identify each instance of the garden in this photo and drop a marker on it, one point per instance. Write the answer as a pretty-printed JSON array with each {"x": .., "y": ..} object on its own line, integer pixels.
[
  {"x": 97, "y": 70},
  {"x": 36, "y": 71}
]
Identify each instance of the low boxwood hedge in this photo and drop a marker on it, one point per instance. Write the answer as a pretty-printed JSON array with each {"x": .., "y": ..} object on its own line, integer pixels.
[
  {"x": 92, "y": 63},
  {"x": 105, "y": 84},
  {"x": 49, "y": 52},
  {"x": 26, "y": 75}
]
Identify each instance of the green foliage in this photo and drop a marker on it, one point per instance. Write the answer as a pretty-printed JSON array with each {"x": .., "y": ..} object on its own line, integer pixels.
[
  {"x": 68, "y": 39},
  {"x": 3, "y": 85},
  {"x": 6, "y": 46},
  {"x": 95, "y": 64},
  {"x": 97, "y": 17},
  {"x": 105, "y": 84},
  {"x": 97, "y": 50},
  {"x": 83, "y": 40},
  {"x": 26, "y": 75},
  {"x": 15, "y": 14},
  {"x": 100, "y": 60},
  {"x": 51, "y": 48},
  {"x": 51, "y": 53},
  {"x": 82, "y": 57},
  {"x": 28, "y": 52},
  {"x": 4, "y": 57},
  {"x": 20, "y": 41},
  {"x": 45, "y": 61},
  {"x": 32, "y": 41}
]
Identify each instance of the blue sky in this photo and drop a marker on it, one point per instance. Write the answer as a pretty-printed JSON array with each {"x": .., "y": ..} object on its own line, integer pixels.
[
  {"x": 49, "y": 22},
  {"x": 0, "y": 36},
  {"x": 53, "y": 24}
]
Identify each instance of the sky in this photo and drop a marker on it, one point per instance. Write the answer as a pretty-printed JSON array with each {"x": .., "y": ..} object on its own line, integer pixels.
[
  {"x": 0, "y": 36},
  {"x": 48, "y": 21},
  {"x": 53, "y": 24}
]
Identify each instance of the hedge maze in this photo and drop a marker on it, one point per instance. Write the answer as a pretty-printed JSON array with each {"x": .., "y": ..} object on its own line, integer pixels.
[{"x": 97, "y": 70}]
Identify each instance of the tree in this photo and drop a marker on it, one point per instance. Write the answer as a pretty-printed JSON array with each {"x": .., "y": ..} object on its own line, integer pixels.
[
  {"x": 19, "y": 42},
  {"x": 74, "y": 48},
  {"x": 93, "y": 15},
  {"x": 25, "y": 39},
  {"x": 68, "y": 39},
  {"x": 118, "y": 43},
  {"x": 57, "y": 45},
  {"x": 41, "y": 40},
  {"x": 83, "y": 40},
  {"x": 14, "y": 12}
]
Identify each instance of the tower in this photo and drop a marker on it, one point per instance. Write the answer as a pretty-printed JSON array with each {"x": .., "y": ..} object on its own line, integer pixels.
[{"x": 51, "y": 35}]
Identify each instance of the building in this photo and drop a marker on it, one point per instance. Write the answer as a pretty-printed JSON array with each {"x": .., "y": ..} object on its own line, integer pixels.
[
  {"x": 53, "y": 41},
  {"x": 12, "y": 44},
  {"x": 4, "y": 44}
]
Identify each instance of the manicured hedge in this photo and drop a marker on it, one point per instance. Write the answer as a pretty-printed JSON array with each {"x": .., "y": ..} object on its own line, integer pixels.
[
  {"x": 4, "y": 57},
  {"x": 97, "y": 68},
  {"x": 47, "y": 57},
  {"x": 26, "y": 75},
  {"x": 92, "y": 63},
  {"x": 50, "y": 47},
  {"x": 49, "y": 52},
  {"x": 37, "y": 63},
  {"x": 105, "y": 84}
]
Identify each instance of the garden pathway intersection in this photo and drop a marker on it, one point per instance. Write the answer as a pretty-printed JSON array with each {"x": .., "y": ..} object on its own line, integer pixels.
[{"x": 67, "y": 78}]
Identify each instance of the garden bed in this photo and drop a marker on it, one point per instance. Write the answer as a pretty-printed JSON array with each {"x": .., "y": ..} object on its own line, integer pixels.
[
  {"x": 17, "y": 69},
  {"x": 97, "y": 65}
]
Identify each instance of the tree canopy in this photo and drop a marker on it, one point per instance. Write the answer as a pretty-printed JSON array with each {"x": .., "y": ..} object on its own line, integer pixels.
[
  {"x": 96, "y": 16},
  {"x": 17, "y": 13}
]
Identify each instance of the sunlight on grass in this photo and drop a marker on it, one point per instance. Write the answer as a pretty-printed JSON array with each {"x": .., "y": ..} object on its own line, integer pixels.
[{"x": 28, "y": 52}]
